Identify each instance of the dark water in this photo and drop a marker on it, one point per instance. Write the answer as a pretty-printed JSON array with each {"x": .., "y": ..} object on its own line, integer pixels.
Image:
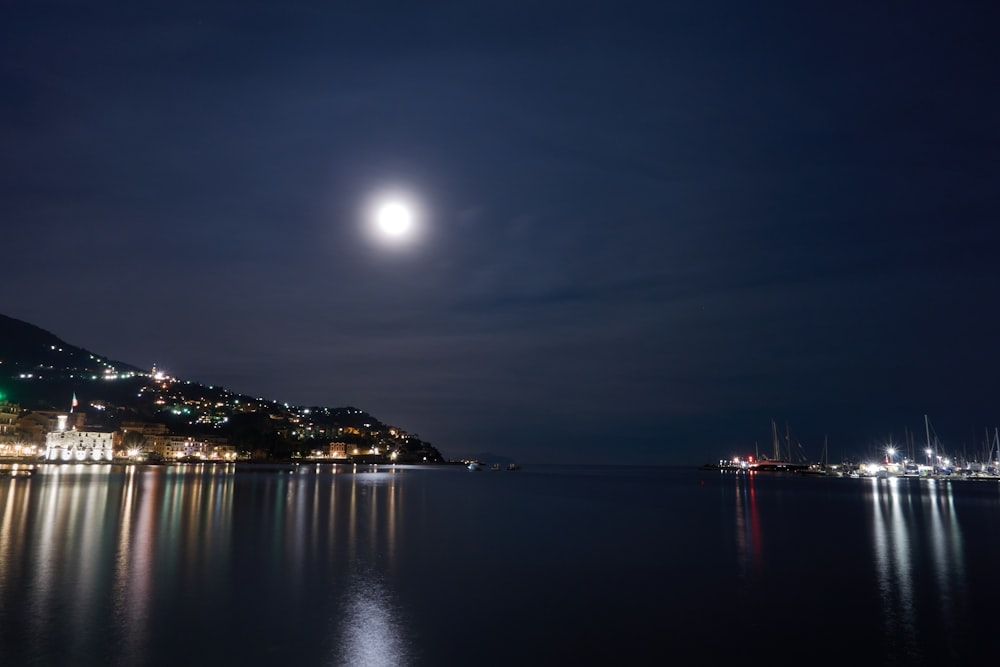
[{"x": 201, "y": 565}]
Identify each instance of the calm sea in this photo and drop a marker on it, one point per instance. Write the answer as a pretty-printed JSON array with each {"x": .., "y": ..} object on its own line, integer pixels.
[{"x": 326, "y": 565}]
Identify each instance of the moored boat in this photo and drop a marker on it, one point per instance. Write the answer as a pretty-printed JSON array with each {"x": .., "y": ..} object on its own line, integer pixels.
[{"x": 768, "y": 465}]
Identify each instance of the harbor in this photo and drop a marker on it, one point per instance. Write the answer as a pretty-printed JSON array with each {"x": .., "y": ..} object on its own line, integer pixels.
[
  {"x": 877, "y": 469},
  {"x": 934, "y": 462}
]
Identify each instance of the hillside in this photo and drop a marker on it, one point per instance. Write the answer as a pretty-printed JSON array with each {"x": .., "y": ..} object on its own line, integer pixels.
[
  {"x": 25, "y": 348},
  {"x": 40, "y": 371}
]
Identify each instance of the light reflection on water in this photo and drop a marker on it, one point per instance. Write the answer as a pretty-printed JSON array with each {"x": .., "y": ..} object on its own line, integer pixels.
[
  {"x": 903, "y": 562},
  {"x": 748, "y": 538},
  {"x": 893, "y": 516},
  {"x": 369, "y": 627},
  {"x": 131, "y": 600},
  {"x": 167, "y": 565},
  {"x": 914, "y": 517},
  {"x": 112, "y": 560},
  {"x": 948, "y": 555}
]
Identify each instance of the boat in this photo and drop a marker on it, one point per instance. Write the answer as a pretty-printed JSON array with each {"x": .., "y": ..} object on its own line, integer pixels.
[
  {"x": 823, "y": 468},
  {"x": 475, "y": 465},
  {"x": 513, "y": 466},
  {"x": 768, "y": 465},
  {"x": 17, "y": 470},
  {"x": 983, "y": 474},
  {"x": 777, "y": 464},
  {"x": 988, "y": 470},
  {"x": 724, "y": 466}
]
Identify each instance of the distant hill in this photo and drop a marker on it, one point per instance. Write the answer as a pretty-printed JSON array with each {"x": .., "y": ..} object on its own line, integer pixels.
[
  {"x": 40, "y": 371},
  {"x": 25, "y": 348}
]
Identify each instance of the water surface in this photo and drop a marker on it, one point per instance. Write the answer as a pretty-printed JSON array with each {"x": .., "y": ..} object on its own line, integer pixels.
[{"x": 335, "y": 565}]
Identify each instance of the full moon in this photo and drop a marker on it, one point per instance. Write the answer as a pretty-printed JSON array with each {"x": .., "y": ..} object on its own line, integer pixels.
[{"x": 394, "y": 218}]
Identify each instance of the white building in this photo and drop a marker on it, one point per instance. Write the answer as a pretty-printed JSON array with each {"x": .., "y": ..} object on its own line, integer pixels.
[{"x": 78, "y": 446}]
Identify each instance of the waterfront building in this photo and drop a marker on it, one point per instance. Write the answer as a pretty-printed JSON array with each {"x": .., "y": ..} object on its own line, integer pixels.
[
  {"x": 8, "y": 421},
  {"x": 209, "y": 448},
  {"x": 215, "y": 452},
  {"x": 217, "y": 448},
  {"x": 142, "y": 437},
  {"x": 12, "y": 442},
  {"x": 182, "y": 446},
  {"x": 74, "y": 445}
]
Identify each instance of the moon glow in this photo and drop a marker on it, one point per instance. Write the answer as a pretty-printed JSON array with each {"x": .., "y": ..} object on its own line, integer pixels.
[{"x": 394, "y": 219}]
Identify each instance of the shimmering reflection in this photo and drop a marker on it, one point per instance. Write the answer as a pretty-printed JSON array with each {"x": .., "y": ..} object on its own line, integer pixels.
[
  {"x": 330, "y": 536},
  {"x": 154, "y": 566},
  {"x": 12, "y": 523},
  {"x": 315, "y": 514},
  {"x": 891, "y": 541},
  {"x": 911, "y": 517},
  {"x": 90, "y": 541},
  {"x": 948, "y": 552},
  {"x": 128, "y": 600},
  {"x": 370, "y": 627},
  {"x": 748, "y": 541}
]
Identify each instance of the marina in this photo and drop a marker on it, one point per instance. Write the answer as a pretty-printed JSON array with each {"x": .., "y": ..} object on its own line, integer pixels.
[
  {"x": 857, "y": 471},
  {"x": 892, "y": 462}
]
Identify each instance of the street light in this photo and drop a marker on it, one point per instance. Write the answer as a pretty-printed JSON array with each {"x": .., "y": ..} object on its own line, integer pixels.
[
  {"x": 890, "y": 452},
  {"x": 928, "y": 450}
]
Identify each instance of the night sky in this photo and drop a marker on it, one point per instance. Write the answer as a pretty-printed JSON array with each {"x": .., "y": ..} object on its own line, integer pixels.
[{"x": 643, "y": 230}]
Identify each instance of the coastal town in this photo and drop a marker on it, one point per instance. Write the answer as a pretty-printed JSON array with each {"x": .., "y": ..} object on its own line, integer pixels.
[
  {"x": 56, "y": 436},
  {"x": 60, "y": 403}
]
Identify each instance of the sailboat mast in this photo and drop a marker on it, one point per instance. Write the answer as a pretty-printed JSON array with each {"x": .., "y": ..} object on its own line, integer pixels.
[
  {"x": 927, "y": 427},
  {"x": 996, "y": 443},
  {"x": 774, "y": 441}
]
